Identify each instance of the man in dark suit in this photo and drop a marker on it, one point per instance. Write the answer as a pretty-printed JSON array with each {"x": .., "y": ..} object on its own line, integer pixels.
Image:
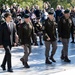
[{"x": 7, "y": 39}]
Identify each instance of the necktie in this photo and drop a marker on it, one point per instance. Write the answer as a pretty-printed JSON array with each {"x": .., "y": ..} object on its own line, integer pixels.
[{"x": 9, "y": 26}]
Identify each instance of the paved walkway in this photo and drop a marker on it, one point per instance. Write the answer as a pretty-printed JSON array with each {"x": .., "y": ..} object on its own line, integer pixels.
[{"x": 37, "y": 62}]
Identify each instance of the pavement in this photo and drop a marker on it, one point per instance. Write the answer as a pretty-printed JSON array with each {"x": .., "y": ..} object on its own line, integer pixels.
[{"x": 37, "y": 62}]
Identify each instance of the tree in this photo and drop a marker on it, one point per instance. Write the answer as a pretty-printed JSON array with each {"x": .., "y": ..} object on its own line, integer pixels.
[
  {"x": 65, "y": 3},
  {"x": 54, "y": 3},
  {"x": 22, "y": 3}
]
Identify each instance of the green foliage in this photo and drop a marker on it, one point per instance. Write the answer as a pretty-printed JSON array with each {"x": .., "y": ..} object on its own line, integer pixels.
[
  {"x": 30, "y": 3},
  {"x": 65, "y": 3},
  {"x": 24, "y": 3}
]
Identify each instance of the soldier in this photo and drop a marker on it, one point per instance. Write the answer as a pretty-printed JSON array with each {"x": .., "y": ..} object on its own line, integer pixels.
[
  {"x": 64, "y": 28},
  {"x": 26, "y": 32},
  {"x": 50, "y": 37}
]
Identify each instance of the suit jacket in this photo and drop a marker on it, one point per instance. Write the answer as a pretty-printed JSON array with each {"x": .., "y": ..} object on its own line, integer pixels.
[{"x": 7, "y": 35}]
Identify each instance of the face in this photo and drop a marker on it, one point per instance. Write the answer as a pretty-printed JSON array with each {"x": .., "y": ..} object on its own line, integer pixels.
[
  {"x": 27, "y": 19},
  {"x": 51, "y": 16},
  {"x": 67, "y": 15},
  {"x": 9, "y": 18}
]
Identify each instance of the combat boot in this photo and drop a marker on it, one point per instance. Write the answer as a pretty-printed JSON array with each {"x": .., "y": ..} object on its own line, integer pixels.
[
  {"x": 62, "y": 57},
  {"x": 26, "y": 65},
  {"x": 51, "y": 58},
  {"x": 66, "y": 59},
  {"x": 47, "y": 61}
]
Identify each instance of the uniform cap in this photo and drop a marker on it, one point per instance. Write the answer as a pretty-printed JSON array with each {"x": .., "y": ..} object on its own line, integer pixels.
[
  {"x": 26, "y": 16},
  {"x": 66, "y": 11},
  {"x": 50, "y": 12}
]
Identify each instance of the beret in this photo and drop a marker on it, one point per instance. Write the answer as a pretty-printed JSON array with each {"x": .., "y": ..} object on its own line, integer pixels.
[
  {"x": 50, "y": 12},
  {"x": 66, "y": 11},
  {"x": 26, "y": 16}
]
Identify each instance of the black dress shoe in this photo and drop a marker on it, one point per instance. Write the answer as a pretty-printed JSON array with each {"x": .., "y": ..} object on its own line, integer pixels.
[
  {"x": 35, "y": 44},
  {"x": 31, "y": 43},
  {"x": 59, "y": 41},
  {"x": 10, "y": 70},
  {"x": 41, "y": 43},
  {"x": 3, "y": 67}
]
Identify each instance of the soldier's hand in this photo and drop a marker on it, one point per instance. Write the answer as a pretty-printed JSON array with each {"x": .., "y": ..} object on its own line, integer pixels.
[{"x": 48, "y": 39}]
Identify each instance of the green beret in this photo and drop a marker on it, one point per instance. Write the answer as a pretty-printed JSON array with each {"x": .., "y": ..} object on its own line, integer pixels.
[
  {"x": 66, "y": 11},
  {"x": 26, "y": 16}
]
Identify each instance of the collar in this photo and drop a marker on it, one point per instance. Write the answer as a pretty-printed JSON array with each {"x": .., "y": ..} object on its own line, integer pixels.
[{"x": 8, "y": 23}]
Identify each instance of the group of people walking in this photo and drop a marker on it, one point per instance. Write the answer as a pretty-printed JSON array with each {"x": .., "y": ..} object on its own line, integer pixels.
[{"x": 26, "y": 35}]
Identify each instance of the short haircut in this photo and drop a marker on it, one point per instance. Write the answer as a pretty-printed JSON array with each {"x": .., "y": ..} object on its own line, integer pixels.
[{"x": 7, "y": 14}]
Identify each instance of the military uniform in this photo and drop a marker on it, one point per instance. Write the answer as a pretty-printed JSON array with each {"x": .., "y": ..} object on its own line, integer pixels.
[
  {"x": 26, "y": 32},
  {"x": 64, "y": 28},
  {"x": 49, "y": 31}
]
